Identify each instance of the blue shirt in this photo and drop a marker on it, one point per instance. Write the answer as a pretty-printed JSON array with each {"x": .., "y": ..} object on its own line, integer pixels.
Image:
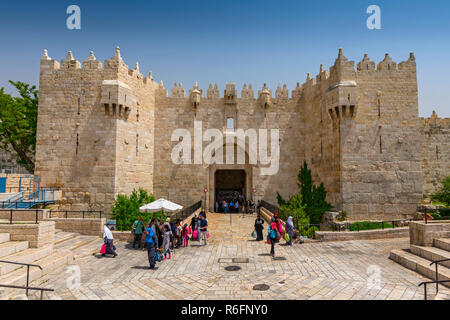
[{"x": 149, "y": 237}]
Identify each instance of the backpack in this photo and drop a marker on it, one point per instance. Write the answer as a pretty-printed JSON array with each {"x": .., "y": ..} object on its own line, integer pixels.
[{"x": 272, "y": 233}]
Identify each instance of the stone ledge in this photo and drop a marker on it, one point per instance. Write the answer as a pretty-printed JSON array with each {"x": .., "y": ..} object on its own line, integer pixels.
[
  {"x": 362, "y": 235},
  {"x": 37, "y": 235}
]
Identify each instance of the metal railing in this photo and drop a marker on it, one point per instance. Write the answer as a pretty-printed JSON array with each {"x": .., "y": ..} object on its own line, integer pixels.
[
  {"x": 272, "y": 208},
  {"x": 12, "y": 211},
  {"x": 26, "y": 288},
  {"x": 183, "y": 214},
  {"x": 28, "y": 265}
]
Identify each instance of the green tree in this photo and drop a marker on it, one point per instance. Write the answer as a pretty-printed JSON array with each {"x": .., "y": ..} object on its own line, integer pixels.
[
  {"x": 18, "y": 122},
  {"x": 443, "y": 195},
  {"x": 312, "y": 197},
  {"x": 126, "y": 209},
  {"x": 295, "y": 208}
]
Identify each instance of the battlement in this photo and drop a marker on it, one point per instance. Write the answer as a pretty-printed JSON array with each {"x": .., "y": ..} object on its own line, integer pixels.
[
  {"x": 435, "y": 121},
  {"x": 112, "y": 68}
]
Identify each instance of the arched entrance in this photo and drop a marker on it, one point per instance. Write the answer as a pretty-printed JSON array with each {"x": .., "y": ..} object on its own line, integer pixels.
[
  {"x": 228, "y": 179},
  {"x": 230, "y": 185}
]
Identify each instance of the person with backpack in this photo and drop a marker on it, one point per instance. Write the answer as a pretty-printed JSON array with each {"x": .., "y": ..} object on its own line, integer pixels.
[
  {"x": 138, "y": 227},
  {"x": 151, "y": 241},
  {"x": 272, "y": 237}
]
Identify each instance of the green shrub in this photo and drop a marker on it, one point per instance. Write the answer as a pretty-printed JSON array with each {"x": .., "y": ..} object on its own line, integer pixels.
[
  {"x": 443, "y": 195},
  {"x": 369, "y": 225},
  {"x": 342, "y": 216},
  {"x": 126, "y": 209}
]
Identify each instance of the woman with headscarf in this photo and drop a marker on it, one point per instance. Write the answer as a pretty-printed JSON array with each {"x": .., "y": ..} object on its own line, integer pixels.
[
  {"x": 109, "y": 239},
  {"x": 272, "y": 237},
  {"x": 259, "y": 228},
  {"x": 290, "y": 230}
]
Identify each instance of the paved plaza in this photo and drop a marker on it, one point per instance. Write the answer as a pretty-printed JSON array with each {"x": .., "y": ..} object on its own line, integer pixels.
[{"x": 318, "y": 270}]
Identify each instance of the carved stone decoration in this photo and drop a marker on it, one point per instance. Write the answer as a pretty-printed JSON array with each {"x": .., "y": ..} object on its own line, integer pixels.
[
  {"x": 195, "y": 96},
  {"x": 265, "y": 97}
]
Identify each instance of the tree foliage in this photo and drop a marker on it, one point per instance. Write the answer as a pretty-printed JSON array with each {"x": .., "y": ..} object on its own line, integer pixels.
[
  {"x": 443, "y": 195},
  {"x": 126, "y": 209},
  {"x": 18, "y": 122}
]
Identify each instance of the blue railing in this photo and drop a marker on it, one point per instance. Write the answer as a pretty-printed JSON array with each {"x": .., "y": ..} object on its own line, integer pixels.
[{"x": 20, "y": 201}]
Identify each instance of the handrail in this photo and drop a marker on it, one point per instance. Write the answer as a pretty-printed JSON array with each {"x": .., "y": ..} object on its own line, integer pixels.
[
  {"x": 425, "y": 283},
  {"x": 83, "y": 212},
  {"x": 27, "y": 288},
  {"x": 28, "y": 265}
]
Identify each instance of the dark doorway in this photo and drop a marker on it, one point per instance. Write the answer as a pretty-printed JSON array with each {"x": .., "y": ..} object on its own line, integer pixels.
[{"x": 230, "y": 186}]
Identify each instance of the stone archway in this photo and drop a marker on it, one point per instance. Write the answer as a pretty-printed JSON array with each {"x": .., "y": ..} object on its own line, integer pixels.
[{"x": 246, "y": 168}]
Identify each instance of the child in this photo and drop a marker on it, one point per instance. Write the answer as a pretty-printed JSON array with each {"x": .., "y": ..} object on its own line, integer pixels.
[
  {"x": 166, "y": 242},
  {"x": 186, "y": 231}
]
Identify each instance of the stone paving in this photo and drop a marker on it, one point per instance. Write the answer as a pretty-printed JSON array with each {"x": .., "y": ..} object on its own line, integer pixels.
[{"x": 320, "y": 270}]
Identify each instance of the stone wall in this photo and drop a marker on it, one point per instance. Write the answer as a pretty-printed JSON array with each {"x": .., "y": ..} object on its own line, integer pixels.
[
  {"x": 13, "y": 182},
  {"x": 106, "y": 130},
  {"x": 435, "y": 133},
  {"x": 89, "y": 227},
  {"x": 38, "y": 235}
]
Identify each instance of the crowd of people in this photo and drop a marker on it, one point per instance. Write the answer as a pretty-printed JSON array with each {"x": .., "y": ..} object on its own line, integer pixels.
[{"x": 162, "y": 238}]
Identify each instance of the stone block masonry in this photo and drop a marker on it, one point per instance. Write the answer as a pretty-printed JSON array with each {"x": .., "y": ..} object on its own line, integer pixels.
[
  {"x": 38, "y": 235},
  {"x": 106, "y": 129}
]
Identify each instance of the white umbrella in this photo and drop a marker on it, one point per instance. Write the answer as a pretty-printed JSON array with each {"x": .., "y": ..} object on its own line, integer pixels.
[{"x": 160, "y": 205}]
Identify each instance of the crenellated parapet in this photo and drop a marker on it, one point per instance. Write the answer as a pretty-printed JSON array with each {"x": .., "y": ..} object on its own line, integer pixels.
[
  {"x": 213, "y": 93},
  {"x": 114, "y": 68},
  {"x": 435, "y": 123},
  {"x": 178, "y": 91},
  {"x": 247, "y": 92}
]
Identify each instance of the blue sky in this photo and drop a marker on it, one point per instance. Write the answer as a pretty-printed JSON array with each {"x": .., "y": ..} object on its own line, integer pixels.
[{"x": 232, "y": 41}]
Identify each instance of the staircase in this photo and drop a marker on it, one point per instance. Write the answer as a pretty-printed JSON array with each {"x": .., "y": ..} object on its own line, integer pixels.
[
  {"x": 67, "y": 248},
  {"x": 419, "y": 258}
]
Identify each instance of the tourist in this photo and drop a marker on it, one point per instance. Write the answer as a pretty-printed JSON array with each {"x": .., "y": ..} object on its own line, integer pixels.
[
  {"x": 225, "y": 207},
  {"x": 272, "y": 237},
  {"x": 138, "y": 227},
  {"x": 194, "y": 222},
  {"x": 236, "y": 207},
  {"x": 203, "y": 230},
  {"x": 109, "y": 242},
  {"x": 231, "y": 206},
  {"x": 290, "y": 230},
  {"x": 166, "y": 242},
  {"x": 216, "y": 207},
  {"x": 259, "y": 228},
  {"x": 172, "y": 236},
  {"x": 197, "y": 226},
  {"x": 202, "y": 213},
  {"x": 185, "y": 233},
  {"x": 151, "y": 241},
  {"x": 178, "y": 236},
  {"x": 279, "y": 227}
]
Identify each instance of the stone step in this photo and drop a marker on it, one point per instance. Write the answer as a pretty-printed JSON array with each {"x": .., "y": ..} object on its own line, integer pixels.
[
  {"x": 432, "y": 254},
  {"x": 419, "y": 265},
  {"x": 89, "y": 249},
  {"x": 11, "y": 247},
  {"x": 442, "y": 243},
  {"x": 4, "y": 237},
  {"x": 49, "y": 263},
  {"x": 25, "y": 256},
  {"x": 62, "y": 236}
]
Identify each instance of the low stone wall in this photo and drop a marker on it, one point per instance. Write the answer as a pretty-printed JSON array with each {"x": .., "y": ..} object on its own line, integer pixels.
[
  {"x": 89, "y": 227},
  {"x": 127, "y": 236},
  {"x": 24, "y": 215},
  {"x": 37, "y": 235},
  {"x": 422, "y": 234},
  {"x": 362, "y": 235}
]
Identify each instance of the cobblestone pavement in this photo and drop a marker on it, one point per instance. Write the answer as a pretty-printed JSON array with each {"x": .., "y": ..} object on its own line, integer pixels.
[{"x": 321, "y": 270}]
